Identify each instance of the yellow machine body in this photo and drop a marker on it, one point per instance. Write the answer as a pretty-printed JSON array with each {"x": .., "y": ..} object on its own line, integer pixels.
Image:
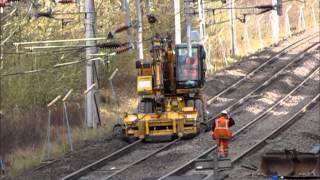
[
  {"x": 166, "y": 124},
  {"x": 165, "y": 111},
  {"x": 144, "y": 85}
]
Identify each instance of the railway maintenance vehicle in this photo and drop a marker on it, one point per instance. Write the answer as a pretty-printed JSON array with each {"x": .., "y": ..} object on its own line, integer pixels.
[{"x": 171, "y": 102}]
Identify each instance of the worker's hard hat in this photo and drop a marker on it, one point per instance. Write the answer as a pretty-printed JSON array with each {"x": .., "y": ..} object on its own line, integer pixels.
[{"x": 224, "y": 112}]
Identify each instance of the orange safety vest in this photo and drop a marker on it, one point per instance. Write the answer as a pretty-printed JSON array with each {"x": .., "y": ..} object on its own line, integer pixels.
[
  {"x": 192, "y": 69},
  {"x": 222, "y": 130}
]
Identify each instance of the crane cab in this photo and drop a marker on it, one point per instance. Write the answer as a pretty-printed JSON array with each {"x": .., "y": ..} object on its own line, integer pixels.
[{"x": 190, "y": 72}]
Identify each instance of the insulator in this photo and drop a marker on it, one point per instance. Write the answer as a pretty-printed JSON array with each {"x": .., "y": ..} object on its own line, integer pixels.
[
  {"x": 265, "y": 7},
  {"x": 122, "y": 50},
  {"x": 3, "y": 3},
  {"x": 111, "y": 45},
  {"x": 65, "y": 1},
  {"x": 151, "y": 19},
  {"x": 123, "y": 28},
  {"x": 47, "y": 14},
  {"x": 110, "y": 35}
]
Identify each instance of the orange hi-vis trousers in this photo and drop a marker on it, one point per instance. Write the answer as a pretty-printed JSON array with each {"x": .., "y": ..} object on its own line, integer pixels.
[
  {"x": 223, "y": 147},
  {"x": 222, "y": 134}
]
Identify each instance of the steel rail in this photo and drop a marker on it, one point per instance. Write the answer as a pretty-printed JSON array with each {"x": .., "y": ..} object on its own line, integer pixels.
[
  {"x": 295, "y": 60},
  {"x": 268, "y": 81},
  {"x": 280, "y": 129},
  {"x": 190, "y": 163},
  {"x": 173, "y": 142},
  {"x": 299, "y": 57},
  {"x": 294, "y": 118},
  {"x": 101, "y": 162},
  {"x": 276, "y": 56},
  {"x": 142, "y": 159}
]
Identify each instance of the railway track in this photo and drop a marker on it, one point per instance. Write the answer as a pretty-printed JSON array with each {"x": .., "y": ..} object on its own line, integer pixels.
[
  {"x": 172, "y": 161},
  {"x": 215, "y": 91},
  {"x": 275, "y": 132},
  {"x": 251, "y": 84},
  {"x": 189, "y": 167},
  {"x": 255, "y": 70},
  {"x": 202, "y": 142},
  {"x": 112, "y": 170}
]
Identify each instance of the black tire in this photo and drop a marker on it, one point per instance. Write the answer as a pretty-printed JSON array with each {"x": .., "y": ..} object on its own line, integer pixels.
[
  {"x": 118, "y": 131},
  {"x": 190, "y": 136},
  {"x": 130, "y": 139}
]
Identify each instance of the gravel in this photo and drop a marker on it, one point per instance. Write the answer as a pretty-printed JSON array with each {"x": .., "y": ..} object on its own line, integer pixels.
[
  {"x": 86, "y": 154},
  {"x": 302, "y": 136},
  {"x": 181, "y": 153},
  {"x": 250, "y": 109},
  {"x": 274, "y": 119},
  {"x": 119, "y": 163},
  {"x": 251, "y": 83}
]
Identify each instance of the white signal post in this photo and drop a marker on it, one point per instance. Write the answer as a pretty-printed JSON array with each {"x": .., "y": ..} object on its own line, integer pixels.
[
  {"x": 177, "y": 21},
  {"x": 232, "y": 17},
  {"x": 201, "y": 19},
  {"x": 188, "y": 18},
  {"x": 275, "y": 23},
  {"x": 90, "y": 19},
  {"x": 128, "y": 19}
]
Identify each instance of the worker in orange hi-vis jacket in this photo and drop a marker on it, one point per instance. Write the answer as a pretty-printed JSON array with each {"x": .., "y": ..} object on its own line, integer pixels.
[{"x": 221, "y": 132}]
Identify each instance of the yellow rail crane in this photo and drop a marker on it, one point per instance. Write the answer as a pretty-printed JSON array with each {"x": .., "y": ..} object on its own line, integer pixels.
[{"x": 170, "y": 90}]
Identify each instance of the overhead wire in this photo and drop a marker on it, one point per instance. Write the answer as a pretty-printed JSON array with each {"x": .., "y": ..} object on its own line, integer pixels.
[
  {"x": 75, "y": 62},
  {"x": 4, "y": 41},
  {"x": 60, "y": 65}
]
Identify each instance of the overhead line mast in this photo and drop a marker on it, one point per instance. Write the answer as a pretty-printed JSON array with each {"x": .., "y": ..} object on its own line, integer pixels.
[
  {"x": 128, "y": 19},
  {"x": 139, "y": 29},
  {"x": 177, "y": 19},
  {"x": 90, "y": 21},
  {"x": 232, "y": 17},
  {"x": 189, "y": 24}
]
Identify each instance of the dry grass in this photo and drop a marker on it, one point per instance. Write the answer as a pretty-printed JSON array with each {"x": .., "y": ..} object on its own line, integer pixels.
[
  {"x": 21, "y": 160},
  {"x": 24, "y": 135}
]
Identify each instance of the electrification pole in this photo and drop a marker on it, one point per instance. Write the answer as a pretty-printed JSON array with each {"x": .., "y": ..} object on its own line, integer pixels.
[
  {"x": 232, "y": 17},
  {"x": 188, "y": 21},
  {"x": 1, "y": 154},
  {"x": 275, "y": 23},
  {"x": 128, "y": 18},
  {"x": 147, "y": 3},
  {"x": 201, "y": 18},
  {"x": 90, "y": 21},
  {"x": 177, "y": 25},
  {"x": 139, "y": 29}
]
